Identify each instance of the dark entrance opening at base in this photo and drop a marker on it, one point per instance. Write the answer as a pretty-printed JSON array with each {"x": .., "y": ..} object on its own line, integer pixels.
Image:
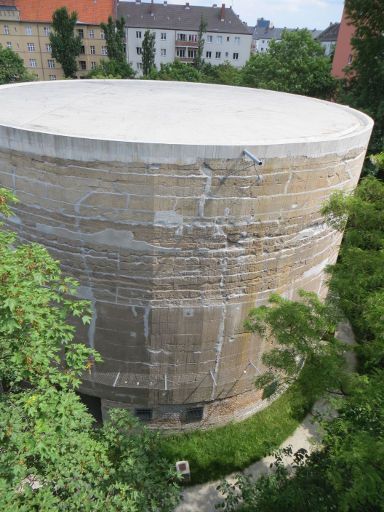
[{"x": 93, "y": 404}]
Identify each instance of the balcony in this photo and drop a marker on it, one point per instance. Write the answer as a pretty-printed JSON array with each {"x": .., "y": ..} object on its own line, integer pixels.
[{"x": 187, "y": 44}]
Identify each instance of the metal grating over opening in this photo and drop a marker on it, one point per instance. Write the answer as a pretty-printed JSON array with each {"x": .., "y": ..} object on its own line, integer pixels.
[
  {"x": 195, "y": 414},
  {"x": 143, "y": 414}
]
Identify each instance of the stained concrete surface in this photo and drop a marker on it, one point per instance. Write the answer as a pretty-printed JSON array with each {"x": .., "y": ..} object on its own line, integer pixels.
[{"x": 142, "y": 191}]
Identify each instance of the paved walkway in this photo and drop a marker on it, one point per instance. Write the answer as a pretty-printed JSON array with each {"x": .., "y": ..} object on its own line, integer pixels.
[{"x": 202, "y": 498}]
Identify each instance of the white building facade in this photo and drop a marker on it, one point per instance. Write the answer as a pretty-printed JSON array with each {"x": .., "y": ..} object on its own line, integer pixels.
[{"x": 176, "y": 29}]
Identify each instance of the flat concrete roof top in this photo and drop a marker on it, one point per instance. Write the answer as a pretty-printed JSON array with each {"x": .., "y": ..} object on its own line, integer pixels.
[{"x": 174, "y": 113}]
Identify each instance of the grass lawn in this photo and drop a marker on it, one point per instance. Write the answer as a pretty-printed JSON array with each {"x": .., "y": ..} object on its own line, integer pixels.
[{"x": 215, "y": 453}]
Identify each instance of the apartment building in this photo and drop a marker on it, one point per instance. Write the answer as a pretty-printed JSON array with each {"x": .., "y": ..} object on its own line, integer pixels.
[
  {"x": 227, "y": 38},
  {"x": 25, "y": 26},
  {"x": 264, "y": 32}
]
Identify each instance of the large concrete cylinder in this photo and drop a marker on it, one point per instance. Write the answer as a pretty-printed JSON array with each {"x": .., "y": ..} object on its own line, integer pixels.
[{"x": 143, "y": 191}]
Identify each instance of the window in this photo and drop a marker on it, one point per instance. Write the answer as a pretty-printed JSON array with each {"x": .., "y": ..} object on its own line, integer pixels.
[
  {"x": 6, "y": 30},
  {"x": 91, "y": 34},
  {"x": 83, "y": 65},
  {"x": 31, "y": 47},
  {"x": 195, "y": 414},
  {"x": 139, "y": 50},
  {"x": 52, "y": 77},
  {"x": 237, "y": 40},
  {"x": 181, "y": 37},
  {"x": 208, "y": 55},
  {"x": 82, "y": 50},
  {"x": 104, "y": 50},
  {"x": 143, "y": 414},
  {"x": 180, "y": 52},
  {"x": 80, "y": 33},
  {"x": 235, "y": 56},
  {"x": 92, "y": 50},
  {"x": 191, "y": 53},
  {"x": 226, "y": 54},
  {"x": 47, "y": 31},
  {"x": 163, "y": 52},
  {"x": 28, "y": 30},
  {"x": 163, "y": 36},
  {"x": 219, "y": 39},
  {"x": 349, "y": 59},
  {"x": 192, "y": 37},
  {"x": 48, "y": 48},
  {"x": 139, "y": 65},
  {"x": 102, "y": 35},
  {"x": 228, "y": 38},
  {"x": 51, "y": 63},
  {"x": 93, "y": 65},
  {"x": 263, "y": 41},
  {"x": 9, "y": 45},
  {"x": 138, "y": 34},
  {"x": 218, "y": 55},
  {"x": 33, "y": 63},
  {"x": 209, "y": 39}
]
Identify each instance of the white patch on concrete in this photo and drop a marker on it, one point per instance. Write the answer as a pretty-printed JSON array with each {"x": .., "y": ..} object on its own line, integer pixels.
[
  {"x": 168, "y": 218},
  {"x": 207, "y": 189},
  {"x": 316, "y": 270},
  {"x": 146, "y": 321}
]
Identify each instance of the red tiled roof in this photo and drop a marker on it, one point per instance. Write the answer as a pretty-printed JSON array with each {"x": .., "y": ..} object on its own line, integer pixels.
[{"x": 88, "y": 11}]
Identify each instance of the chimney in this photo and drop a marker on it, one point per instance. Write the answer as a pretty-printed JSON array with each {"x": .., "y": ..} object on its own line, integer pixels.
[
  {"x": 222, "y": 14},
  {"x": 165, "y": 2},
  {"x": 138, "y": 2},
  {"x": 187, "y": 5}
]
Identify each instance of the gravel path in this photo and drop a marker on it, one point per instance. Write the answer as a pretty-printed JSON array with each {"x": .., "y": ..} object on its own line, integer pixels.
[{"x": 202, "y": 498}]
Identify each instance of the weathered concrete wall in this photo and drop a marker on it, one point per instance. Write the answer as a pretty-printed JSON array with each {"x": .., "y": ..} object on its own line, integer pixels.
[{"x": 173, "y": 255}]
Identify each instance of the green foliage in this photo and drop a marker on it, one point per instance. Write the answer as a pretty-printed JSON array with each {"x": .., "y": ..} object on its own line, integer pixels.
[
  {"x": 298, "y": 332},
  {"x": 365, "y": 82},
  {"x": 112, "y": 69},
  {"x": 179, "y": 71},
  {"x": 296, "y": 64},
  {"x": 347, "y": 475},
  {"x": 66, "y": 46},
  {"x": 198, "y": 61},
  {"x": 224, "y": 74},
  {"x": 52, "y": 459},
  {"x": 114, "y": 37},
  {"x": 51, "y": 456},
  {"x": 12, "y": 68},
  {"x": 358, "y": 277},
  {"x": 148, "y": 52},
  {"x": 218, "y": 452}
]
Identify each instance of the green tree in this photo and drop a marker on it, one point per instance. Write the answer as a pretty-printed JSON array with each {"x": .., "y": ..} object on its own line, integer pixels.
[
  {"x": 115, "y": 39},
  {"x": 225, "y": 74},
  {"x": 52, "y": 458},
  {"x": 12, "y": 67},
  {"x": 300, "y": 332},
  {"x": 66, "y": 46},
  {"x": 112, "y": 69},
  {"x": 295, "y": 64},
  {"x": 179, "y": 71},
  {"x": 364, "y": 85},
  {"x": 346, "y": 475},
  {"x": 148, "y": 52},
  {"x": 198, "y": 61},
  {"x": 358, "y": 277}
]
